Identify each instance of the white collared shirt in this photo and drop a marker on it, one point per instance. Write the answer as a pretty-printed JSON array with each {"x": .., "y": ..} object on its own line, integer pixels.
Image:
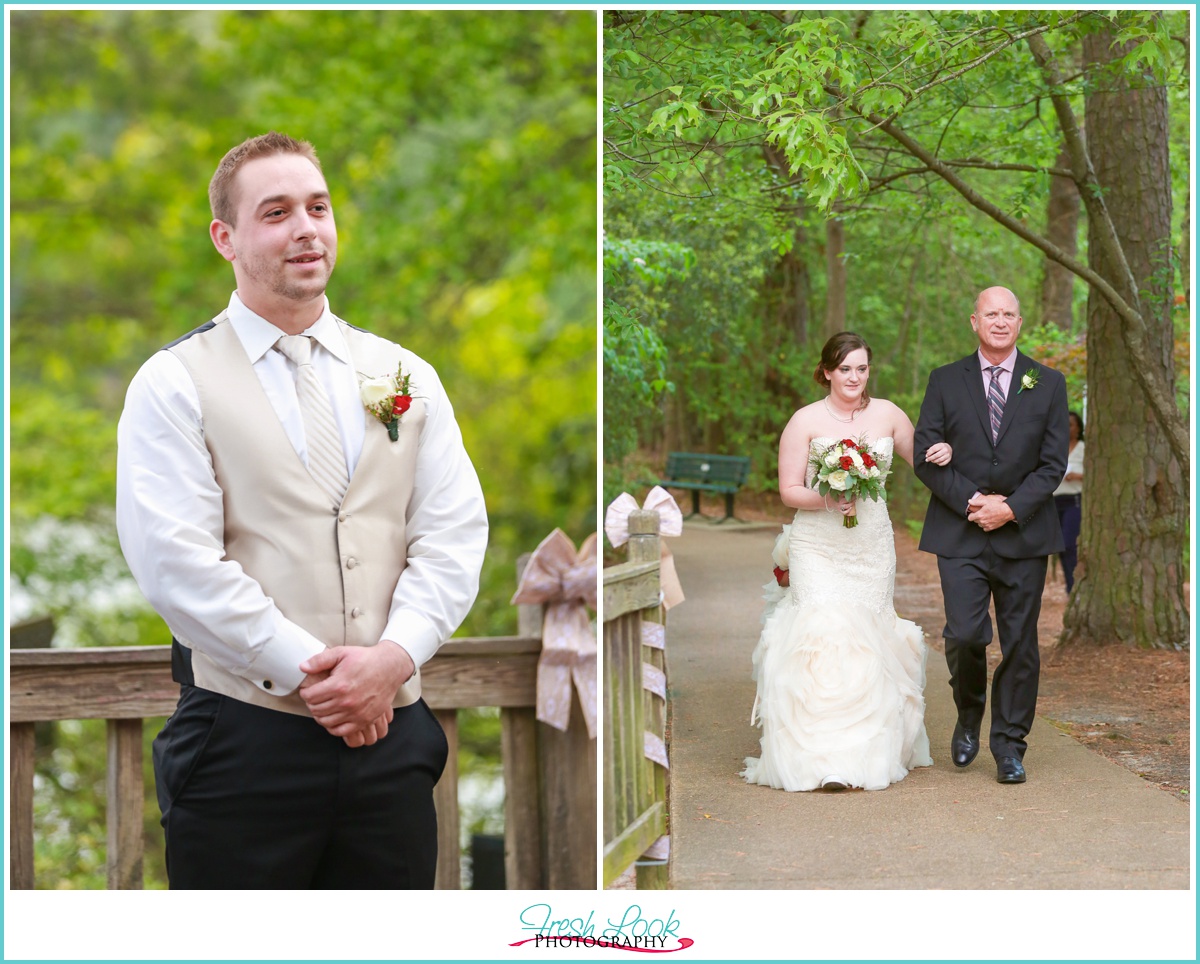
[
  {"x": 169, "y": 507},
  {"x": 1006, "y": 372}
]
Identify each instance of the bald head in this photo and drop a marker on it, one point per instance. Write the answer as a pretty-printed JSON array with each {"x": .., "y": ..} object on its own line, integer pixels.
[{"x": 997, "y": 290}]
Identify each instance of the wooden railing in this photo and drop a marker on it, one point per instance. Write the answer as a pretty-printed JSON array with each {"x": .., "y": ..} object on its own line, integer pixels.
[
  {"x": 635, "y": 788},
  {"x": 549, "y": 776}
]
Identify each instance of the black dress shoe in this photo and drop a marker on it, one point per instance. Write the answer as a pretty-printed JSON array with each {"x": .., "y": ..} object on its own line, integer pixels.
[
  {"x": 964, "y": 745},
  {"x": 1009, "y": 770}
]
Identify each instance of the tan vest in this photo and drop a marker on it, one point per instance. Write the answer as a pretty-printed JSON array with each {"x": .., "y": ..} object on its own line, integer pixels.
[{"x": 331, "y": 572}]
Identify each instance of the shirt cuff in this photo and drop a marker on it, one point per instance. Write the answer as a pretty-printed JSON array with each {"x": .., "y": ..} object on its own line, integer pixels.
[
  {"x": 977, "y": 494},
  {"x": 411, "y": 630},
  {"x": 276, "y": 667}
]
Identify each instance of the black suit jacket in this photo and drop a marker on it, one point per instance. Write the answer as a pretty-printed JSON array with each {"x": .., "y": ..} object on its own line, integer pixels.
[{"x": 1026, "y": 463}]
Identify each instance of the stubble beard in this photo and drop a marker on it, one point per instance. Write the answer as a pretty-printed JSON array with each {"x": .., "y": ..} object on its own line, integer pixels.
[{"x": 274, "y": 278}]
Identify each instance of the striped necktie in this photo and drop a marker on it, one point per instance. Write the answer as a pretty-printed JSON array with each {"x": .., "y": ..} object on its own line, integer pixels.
[
  {"x": 995, "y": 400},
  {"x": 326, "y": 461}
]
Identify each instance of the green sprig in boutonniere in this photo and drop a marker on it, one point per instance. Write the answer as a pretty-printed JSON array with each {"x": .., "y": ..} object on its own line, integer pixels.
[
  {"x": 1028, "y": 380},
  {"x": 387, "y": 398}
]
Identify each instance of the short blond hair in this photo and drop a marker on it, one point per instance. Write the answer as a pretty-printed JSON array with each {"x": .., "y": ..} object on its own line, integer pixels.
[{"x": 222, "y": 196}]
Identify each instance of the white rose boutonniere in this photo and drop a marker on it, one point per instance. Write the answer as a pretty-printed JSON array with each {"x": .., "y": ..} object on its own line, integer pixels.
[
  {"x": 1028, "y": 380},
  {"x": 387, "y": 397}
]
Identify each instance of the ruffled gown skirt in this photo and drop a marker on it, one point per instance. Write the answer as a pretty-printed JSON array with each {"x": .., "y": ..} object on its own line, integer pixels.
[{"x": 840, "y": 677}]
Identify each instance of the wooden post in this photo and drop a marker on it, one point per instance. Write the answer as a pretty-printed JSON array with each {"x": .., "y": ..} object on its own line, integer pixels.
[
  {"x": 445, "y": 801},
  {"x": 524, "y": 860},
  {"x": 522, "y": 795},
  {"x": 126, "y": 801},
  {"x": 569, "y": 803},
  {"x": 566, "y": 790},
  {"x": 643, "y": 536},
  {"x": 645, "y": 546},
  {"x": 20, "y": 801}
]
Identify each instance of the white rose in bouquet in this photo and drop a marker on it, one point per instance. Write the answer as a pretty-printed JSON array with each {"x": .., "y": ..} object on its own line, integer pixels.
[
  {"x": 831, "y": 460},
  {"x": 839, "y": 480}
]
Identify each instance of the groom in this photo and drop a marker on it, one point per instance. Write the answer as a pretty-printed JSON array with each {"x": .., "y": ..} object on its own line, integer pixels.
[
  {"x": 307, "y": 559},
  {"x": 991, "y": 521}
]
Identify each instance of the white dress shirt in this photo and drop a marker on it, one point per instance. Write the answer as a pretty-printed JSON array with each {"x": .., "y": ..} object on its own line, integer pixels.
[{"x": 171, "y": 523}]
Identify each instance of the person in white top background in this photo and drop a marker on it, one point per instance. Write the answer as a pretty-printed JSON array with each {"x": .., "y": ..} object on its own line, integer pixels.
[
  {"x": 1067, "y": 500},
  {"x": 307, "y": 557}
]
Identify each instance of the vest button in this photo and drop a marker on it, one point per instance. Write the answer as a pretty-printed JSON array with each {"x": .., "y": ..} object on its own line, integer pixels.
[
  {"x": 343, "y": 516},
  {"x": 995, "y": 461},
  {"x": 351, "y": 562},
  {"x": 355, "y": 613}
]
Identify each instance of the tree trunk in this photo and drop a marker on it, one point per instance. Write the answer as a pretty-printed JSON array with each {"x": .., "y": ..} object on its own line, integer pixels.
[
  {"x": 788, "y": 288},
  {"x": 1062, "y": 225},
  {"x": 835, "y": 277},
  {"x": 1130, "y": 580},
  {"x": 787, "y": 292}
]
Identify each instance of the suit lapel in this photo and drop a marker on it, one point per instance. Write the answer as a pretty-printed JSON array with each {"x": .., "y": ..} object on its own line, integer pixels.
[{"x": 973, "y": 377}]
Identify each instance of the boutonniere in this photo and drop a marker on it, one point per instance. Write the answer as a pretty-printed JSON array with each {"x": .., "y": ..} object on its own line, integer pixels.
[
  {"x": 1029, "y": 380},
  {"x": 387, "y": 398}
]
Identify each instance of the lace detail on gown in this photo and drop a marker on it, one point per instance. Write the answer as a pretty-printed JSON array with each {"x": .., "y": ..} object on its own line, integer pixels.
[{"x": 841, "y": 678}]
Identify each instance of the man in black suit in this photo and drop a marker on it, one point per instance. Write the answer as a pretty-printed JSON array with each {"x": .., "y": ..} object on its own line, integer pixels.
[{"x": 991, "y": 521}]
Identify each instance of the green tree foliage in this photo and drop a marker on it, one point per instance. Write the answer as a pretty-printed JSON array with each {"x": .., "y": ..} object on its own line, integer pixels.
[
  {"x": 928, "y": 139},
  {"x": 887, "y": 120},
  {"x": 459, "y": 147}
]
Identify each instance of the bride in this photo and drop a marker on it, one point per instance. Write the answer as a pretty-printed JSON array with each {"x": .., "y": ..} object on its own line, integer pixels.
[{"x": 840, "y": 677}]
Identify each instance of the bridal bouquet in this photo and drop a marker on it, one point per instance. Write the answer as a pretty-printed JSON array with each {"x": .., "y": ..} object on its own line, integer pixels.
[{"x": 851, "y": 470}]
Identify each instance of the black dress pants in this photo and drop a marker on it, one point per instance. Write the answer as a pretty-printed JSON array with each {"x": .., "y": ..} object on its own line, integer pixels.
[
  {"x": 1015, "y": 585},
  {"x": 257, "y": 798}
]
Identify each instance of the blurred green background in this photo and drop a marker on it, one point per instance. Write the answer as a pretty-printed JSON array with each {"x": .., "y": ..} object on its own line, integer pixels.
[{"x": 459, "y": 147}]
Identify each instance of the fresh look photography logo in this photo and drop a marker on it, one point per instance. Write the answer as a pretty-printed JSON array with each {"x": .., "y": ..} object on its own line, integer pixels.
[{"x": 630, "y": 932}]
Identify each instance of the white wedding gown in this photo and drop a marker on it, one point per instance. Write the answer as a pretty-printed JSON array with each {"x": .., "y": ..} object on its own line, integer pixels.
[{"x": 841, "y": 678}]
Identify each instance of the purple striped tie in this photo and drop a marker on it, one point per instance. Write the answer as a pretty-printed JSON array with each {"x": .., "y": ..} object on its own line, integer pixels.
[{"x": 995, "y": 401}]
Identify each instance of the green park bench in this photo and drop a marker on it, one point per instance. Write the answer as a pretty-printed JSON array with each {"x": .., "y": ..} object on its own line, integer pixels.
[{"x": 699, "y": 472}]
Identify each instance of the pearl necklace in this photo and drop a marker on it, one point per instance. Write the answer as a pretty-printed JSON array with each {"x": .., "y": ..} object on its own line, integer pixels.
[{"x": 829, "y": 409}]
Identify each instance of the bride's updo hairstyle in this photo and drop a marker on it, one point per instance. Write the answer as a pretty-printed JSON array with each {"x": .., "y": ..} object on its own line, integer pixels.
[{"x": 835, "y": 352}]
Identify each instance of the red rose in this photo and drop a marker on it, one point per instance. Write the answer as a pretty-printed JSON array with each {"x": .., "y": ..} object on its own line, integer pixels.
[
  {"x": 868, "y": 461},
  {"x": 849, "y": 443},
  {"x": 400, "y": 406},
  {"x": 847, "y": 462},
  {"x": 781, "y": 576}
]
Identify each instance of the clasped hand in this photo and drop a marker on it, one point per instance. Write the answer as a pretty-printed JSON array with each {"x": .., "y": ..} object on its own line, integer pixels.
[
  {"x": 349, "y": 689},
  {"x": 989, "y": 511}
]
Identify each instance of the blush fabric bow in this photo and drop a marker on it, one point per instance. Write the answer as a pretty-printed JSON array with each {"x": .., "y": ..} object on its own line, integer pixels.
[
  {"x": 565, "y": 582},
  {"x": 616, "y": 527}
]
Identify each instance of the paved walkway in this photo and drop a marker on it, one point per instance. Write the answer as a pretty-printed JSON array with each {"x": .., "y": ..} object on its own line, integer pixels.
[{"x": 1079, "y": 823}]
